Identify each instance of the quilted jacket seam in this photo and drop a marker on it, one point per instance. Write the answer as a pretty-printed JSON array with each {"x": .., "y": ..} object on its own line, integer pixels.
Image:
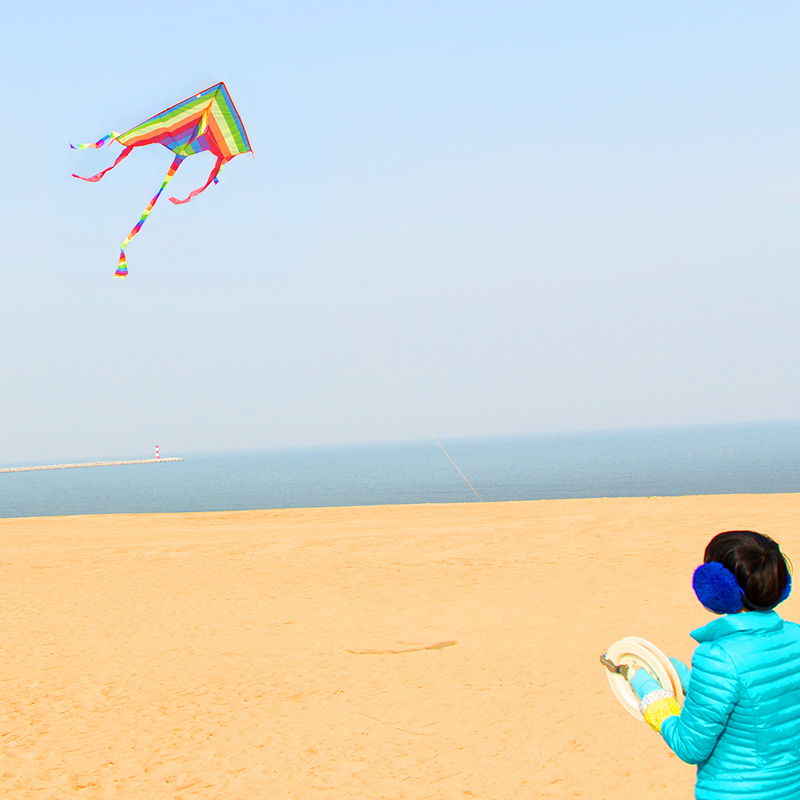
[{"x": 744, "y": 694}]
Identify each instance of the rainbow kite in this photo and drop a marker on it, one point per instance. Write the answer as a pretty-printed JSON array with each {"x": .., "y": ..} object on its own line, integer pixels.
[{"x": 206, "y": 121}]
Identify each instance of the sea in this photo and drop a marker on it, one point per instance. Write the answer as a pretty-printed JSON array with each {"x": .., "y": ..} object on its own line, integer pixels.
[{"x": 758, "y": 458}]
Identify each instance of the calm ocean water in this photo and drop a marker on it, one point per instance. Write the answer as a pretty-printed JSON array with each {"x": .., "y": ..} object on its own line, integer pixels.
[{"x": 720, "y": 459}]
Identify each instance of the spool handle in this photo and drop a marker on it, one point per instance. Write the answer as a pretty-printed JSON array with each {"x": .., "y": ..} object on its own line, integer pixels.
[{"x": 621, "y": 669}]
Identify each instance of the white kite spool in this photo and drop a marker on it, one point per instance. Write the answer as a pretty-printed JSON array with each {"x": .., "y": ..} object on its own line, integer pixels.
[{"x": 641, "y": 654}]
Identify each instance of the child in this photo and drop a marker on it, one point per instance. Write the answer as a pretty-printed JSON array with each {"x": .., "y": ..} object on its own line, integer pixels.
[{"x": 740, "y": 722}]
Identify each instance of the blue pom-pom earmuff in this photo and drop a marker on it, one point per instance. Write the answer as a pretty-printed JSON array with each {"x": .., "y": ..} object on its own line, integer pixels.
[{"x": 716, "y": 588}]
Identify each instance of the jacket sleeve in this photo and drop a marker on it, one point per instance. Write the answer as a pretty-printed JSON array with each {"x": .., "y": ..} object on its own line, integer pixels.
[{"x": 713, "y": 692}]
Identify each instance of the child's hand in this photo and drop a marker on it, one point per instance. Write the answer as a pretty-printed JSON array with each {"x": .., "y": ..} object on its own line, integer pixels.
[
  {"x": 656, "y": 703},
  {"x": 684, "y": 673},
  {"x": 643, "y": 683}
]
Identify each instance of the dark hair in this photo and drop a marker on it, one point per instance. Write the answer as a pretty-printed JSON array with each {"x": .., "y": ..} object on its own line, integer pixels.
[{"x": 757, "y": 563}]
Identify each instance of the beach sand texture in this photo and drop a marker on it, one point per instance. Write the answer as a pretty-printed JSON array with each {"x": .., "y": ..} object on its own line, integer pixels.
[{"x": 434, "y": 651}]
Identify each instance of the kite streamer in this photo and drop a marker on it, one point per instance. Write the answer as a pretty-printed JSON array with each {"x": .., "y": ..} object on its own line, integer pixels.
[
  {"x": 208, "y": 121},
  {"x": 122, "y": 266}
]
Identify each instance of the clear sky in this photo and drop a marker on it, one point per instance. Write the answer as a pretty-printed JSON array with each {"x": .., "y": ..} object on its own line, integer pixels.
[{"x": 539, "y": 216}]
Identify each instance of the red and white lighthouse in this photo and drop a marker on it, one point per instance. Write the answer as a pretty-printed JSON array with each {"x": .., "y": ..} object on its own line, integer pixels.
[{"x": 158, "y": 457}]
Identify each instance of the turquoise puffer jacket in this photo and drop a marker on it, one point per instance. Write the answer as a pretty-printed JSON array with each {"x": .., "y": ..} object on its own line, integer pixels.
[{"x": 740, "y": 722}]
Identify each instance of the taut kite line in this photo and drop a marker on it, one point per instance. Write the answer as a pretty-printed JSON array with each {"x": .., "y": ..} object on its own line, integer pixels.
[{"x": 206, "y": 121}]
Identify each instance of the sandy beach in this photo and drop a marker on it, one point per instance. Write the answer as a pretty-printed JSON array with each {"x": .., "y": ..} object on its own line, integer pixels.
[{"x": 436, "y": 651}]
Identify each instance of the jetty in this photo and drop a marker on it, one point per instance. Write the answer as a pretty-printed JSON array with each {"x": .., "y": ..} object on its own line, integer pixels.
[{"x": 90, "y": 464}]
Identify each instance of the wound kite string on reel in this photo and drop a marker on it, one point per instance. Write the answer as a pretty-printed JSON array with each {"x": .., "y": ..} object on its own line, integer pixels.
[{"x": 634, "y": 653}]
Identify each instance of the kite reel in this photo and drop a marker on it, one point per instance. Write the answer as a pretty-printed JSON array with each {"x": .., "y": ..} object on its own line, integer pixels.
[{"x": 635, "y": 653}]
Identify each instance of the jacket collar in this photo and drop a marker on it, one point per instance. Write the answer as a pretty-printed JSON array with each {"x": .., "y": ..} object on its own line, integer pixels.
[{"x": 751, "y": 621}]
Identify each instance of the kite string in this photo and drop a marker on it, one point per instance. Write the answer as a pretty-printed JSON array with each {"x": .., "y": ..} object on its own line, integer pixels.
[{"x": 355, "y": 333}]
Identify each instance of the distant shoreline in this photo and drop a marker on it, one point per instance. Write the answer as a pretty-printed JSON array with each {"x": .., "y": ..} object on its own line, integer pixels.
[{"x": 90, "y": 464}]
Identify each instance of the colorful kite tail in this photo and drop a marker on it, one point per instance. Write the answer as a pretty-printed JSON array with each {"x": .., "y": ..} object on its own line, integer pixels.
[
  {"x": 221, "y": 161},
  {"x": 122, "y": 266},
  {"x": 107, "y": 139},
  {"x": 124, "y": 154}
]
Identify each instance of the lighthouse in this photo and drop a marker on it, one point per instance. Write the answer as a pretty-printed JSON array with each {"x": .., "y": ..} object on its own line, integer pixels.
[{"x": 158, "y": 457}]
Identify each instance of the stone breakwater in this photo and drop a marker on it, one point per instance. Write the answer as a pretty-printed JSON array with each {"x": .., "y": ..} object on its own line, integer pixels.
[{"x": 90, "y": 464}]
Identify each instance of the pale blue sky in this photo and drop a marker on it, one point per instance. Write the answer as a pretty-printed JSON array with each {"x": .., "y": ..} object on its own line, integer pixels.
[{"x": 539, "y": 216}]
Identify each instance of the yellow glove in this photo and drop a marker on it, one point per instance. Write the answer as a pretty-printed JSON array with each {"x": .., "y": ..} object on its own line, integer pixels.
[{"x": 655, "y": 703}]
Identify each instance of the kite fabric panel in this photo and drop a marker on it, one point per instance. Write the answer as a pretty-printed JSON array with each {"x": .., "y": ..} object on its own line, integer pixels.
[{"x": 205, "y": 122}]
